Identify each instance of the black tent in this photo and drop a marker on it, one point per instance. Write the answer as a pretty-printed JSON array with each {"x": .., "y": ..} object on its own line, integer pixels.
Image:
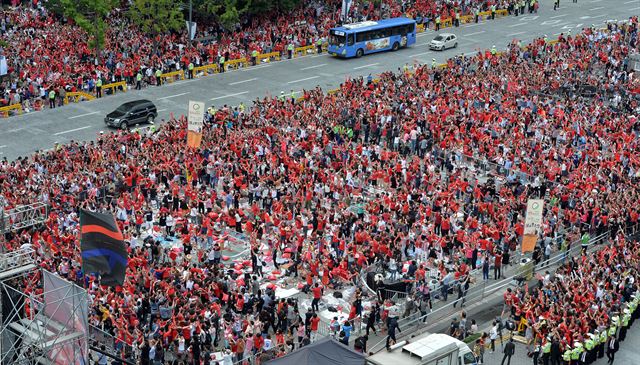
[{"x": 323, "y": 352}]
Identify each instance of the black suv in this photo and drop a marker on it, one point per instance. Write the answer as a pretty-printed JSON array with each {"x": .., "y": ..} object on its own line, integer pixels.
[{"x": 133, "y": 112}]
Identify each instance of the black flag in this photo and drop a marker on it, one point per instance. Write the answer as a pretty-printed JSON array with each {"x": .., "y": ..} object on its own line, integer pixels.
[{"x": 102, "y": 247}]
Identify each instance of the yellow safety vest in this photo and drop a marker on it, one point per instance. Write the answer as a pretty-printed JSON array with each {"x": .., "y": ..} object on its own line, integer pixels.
[
  {"x": 158, "y": 73},
  {"x": 567, "y": 355},
  {"x": 52, "y": 94},
  {"x": 99, "y": 83},
  {"x": 191, "y": 66},
  {"x": 254, "y": 53},
  {"x": 139, "y": 76}
]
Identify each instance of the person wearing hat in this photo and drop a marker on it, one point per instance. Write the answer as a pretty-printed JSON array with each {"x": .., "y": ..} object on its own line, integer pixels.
[
  {"x": 624, "y": 325},
  {"x": 566, "y": 355},
  {"x": 433, "y": 63}
]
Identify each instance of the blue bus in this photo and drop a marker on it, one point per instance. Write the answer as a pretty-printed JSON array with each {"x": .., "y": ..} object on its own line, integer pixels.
[{"x": 357, "y": 39}]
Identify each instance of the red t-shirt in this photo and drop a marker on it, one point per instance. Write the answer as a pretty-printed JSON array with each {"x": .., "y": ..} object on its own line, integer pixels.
[
  {"x": 317, "y": 292},
  {"x": 314, "y": 323}
]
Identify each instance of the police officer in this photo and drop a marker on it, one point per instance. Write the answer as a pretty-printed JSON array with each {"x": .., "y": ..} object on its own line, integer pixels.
[
  {"x": 493, "y": 11},
  {"x": 546, "y": 351},
  {"x": 566, "y": 355},
  {"x": 603, "y": 341},
  {"x": 476, "y": 13},
  {"x": 433, "y": 63},
  {"x": 624, "y": 325},
  {"x": 290, "y": 50},
  {"x": 254, "y": 57},
  {"x": 457, "y": 23},
  {"x": 158, "y": 77},
  {"x": 319, "y": 45},
  {"x": 139, "y": 80},
  {"x": 190, "y": 68},
  {"x": 494, "y": 50},
  {"x": 589, "y": 349},
  {"x": 221, "y": 62},
  {"x": 99, "y": 87},
  {"x": 438, "y": 20},
  {"x": 575, "y": 354},
  {"x": 52, "y": 98}
]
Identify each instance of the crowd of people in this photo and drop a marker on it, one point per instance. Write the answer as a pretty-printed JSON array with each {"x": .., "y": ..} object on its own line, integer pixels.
[
  {"x": 48, "y": 57},
  {"x": 389, "y": 173},
  {"x": 574, "y": 314}
]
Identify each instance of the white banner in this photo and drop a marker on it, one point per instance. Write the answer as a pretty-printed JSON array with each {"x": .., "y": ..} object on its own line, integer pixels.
[
  {"x": 346, "y": 5},
  {"x": 3, "y": 66},
  {"x": 532, "y": 224},
  {"x": 191, "y": 30},
  {"x": 195, "y": 123}
]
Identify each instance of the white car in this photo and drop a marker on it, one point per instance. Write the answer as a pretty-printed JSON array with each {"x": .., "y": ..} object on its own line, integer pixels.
[{"x": 443, "y": 41}]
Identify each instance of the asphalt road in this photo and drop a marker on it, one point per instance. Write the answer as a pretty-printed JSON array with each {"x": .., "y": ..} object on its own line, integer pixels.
[{"x": 22, "y": 135}]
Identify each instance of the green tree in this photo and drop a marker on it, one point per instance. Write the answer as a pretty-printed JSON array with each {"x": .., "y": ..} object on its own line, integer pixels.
[
  {"x": 156, "y": 17},
  {"x": 90, "y": 15}
]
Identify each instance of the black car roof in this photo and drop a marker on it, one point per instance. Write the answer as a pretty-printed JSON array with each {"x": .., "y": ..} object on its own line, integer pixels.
[{"x": 136, "y": 102}]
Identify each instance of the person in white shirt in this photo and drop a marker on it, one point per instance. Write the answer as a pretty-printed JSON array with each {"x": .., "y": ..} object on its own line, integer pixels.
[{"x": 493, "y": 335}]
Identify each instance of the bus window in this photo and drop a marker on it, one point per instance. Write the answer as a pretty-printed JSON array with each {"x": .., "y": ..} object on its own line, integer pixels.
[
  {"x": 360, "y": 37},
  {"x": 350, "y": 39},
  {"x": 336, "y": 38}
]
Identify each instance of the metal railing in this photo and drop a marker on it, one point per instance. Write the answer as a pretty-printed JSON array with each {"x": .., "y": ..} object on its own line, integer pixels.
[
  {"x": 479, "y": 294},
  {"x": 17, "y": 258}
]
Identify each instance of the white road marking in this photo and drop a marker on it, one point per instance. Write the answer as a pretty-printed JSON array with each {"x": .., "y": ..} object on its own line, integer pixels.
[
  {"x": 161, "y": 110},
  {"x": 230, "y": 95},
  {"x": 598, "y": 8},
  {"x": 474, "y": 33},
  {"x": 173, "y": 96},
  {"x": 595, "y": 1},
  {"x": 256, "y": 67},
  {"x": 630, "y": 2},
  {"x": 420, "y": 54},
  {"x": 314, "y": 66},
  {"x": 632, "y": 9},
  {"x": 470, "y": 53},
  {"x": 243, "y": 81},
  {"x": 602, "y": 15},
  {"x": 83, "y": 115},
  {"x": 514, "y": 34},
  {"x": 517, "y": 25},
  {"x": 3, "y": 146},
  {"x": 365, "y": 66},
  {"x": 305, "y": 79},
  {"x": 558, "y": 16},
  {"x": 471, "y": 25},
  {"x": 72, "y": 130}
]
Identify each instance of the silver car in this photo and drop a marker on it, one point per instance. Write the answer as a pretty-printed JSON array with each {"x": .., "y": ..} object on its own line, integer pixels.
[{"x": 443, "y": 41}]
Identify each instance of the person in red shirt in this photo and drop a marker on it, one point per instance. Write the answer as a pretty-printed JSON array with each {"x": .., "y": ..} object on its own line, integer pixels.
[
  {"x": 497, "y": 265},
  {"x": 314, "y": 326},
  {"x": 317, "y": 295}
]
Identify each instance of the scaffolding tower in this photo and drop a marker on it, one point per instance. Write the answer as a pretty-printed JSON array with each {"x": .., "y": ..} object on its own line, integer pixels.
[
  {"x": 43, "y": 318},
  {"x": 21, "y": 217}
]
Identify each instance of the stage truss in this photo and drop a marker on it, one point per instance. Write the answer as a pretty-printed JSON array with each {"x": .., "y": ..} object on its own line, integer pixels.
[{"x": 44, "y": 326}]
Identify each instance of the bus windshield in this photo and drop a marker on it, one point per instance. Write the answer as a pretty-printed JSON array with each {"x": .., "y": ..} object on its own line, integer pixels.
[{"x": 337, "y": 38}]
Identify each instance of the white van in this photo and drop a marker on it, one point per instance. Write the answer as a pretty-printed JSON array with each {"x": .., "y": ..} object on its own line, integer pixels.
[{"x": 432, "y": 349}]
